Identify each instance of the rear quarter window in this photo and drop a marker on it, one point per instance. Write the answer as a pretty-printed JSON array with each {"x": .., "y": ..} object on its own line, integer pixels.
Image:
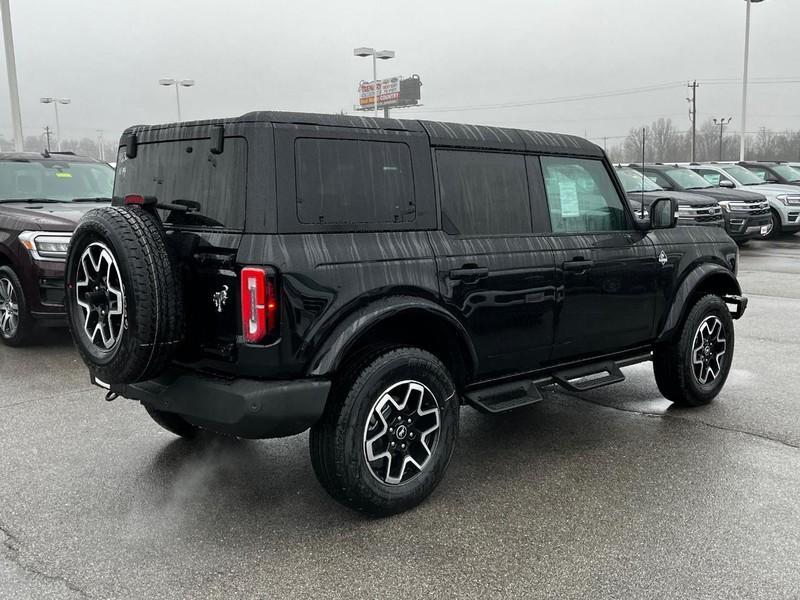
[
  {"x": 186, "y": 171},
  {"x": 353, "y": 181}
]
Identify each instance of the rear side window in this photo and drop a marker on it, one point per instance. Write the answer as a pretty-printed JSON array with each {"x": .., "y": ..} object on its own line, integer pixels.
[
  {"x": 483, "y": 193},
  {"x": 581, "y": 196},
  {"x": 186, "y": 172},
  {"x": 353, "y": 181}
]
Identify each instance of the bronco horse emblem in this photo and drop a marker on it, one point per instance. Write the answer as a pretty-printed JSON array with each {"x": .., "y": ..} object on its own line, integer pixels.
[{"x": 220, "y": 298}]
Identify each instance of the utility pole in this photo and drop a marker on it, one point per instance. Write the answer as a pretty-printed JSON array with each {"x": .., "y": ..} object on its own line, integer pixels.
[
  {"x": 100, "y": 143},
  {"x": 721, "y": 122},
  {"x": 693, "y": 115},
  {"x": 11, "y": 69},
  {"x": 47, "y": 133}
]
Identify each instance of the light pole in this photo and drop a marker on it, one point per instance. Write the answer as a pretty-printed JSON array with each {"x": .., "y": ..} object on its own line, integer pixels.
[
  {"x": 744, "y": 77},
  {"x": 177, "y": 83},
  {"x": 721, "y": 122},
  {"x": 383, "y": 55},
  {"x": 55, "y": 102},
  {"x": 11, "y": 69}
]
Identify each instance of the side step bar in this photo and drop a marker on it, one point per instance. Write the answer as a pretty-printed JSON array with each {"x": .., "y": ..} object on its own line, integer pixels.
[
  {"x": 589, "y": 377},
  {"x": 504, "y": 397}
]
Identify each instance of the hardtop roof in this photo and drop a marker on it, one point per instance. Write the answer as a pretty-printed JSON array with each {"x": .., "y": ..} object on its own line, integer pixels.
[{"x": 441, "y": 134}]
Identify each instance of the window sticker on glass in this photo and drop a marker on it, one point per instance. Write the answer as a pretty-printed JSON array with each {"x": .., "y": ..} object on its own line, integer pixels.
[{"x": 568, "y": 194}]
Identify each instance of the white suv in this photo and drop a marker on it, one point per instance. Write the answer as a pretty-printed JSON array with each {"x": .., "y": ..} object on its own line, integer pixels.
[{"x": 784, "y": 200}]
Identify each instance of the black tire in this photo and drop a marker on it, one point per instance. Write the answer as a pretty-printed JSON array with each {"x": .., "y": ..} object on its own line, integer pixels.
[
  {"x": 24, "y": 332},
  {"x": 777, "y": 229},
  {"x": 338, "y": 442},
  {"x": 173, "y": 422},
  {"x": 152, "y": 312},
  {"x": 676, "y": 373}
]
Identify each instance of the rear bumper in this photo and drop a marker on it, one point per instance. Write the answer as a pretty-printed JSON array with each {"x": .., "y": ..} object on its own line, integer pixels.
[{"x": 242, "y": 407}]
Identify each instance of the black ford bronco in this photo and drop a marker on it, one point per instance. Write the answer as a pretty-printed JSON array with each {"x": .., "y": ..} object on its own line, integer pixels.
[{"x": 364, "y": 278}]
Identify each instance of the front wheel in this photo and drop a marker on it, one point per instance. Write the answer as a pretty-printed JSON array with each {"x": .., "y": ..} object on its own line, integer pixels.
[
  {"x": 16, "y": 324},
  {"x": 691, "y": 370},
  {"x": 388, "y": 431},
  {"x": 775, "y": 230}
]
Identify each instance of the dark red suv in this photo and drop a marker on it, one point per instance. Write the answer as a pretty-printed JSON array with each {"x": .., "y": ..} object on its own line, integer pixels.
[{"x": 42, "y": 197}]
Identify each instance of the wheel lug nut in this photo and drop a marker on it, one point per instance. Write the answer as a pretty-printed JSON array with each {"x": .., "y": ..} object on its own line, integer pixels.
[
  {"x": 393, "y": 444},
  {"x": 391, "y": 429},
  {"x": 402, "y": 446}
]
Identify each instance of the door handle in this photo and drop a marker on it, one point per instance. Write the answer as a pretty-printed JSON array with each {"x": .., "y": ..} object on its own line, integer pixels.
[
  {"x": 577, "y": 265},
  {"x": 469, "y": 272}
]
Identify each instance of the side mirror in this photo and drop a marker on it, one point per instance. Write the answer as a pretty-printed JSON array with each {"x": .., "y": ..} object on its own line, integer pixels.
[
  {"x": 725, "y": 183},
  {"x": 664, "y": 213}
]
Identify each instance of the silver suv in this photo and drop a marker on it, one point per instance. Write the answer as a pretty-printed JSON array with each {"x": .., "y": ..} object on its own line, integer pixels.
[{"x": 784, "y": 200}]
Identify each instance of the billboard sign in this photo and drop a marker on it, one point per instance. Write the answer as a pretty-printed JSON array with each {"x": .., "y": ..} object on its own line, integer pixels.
[{"x": 392, "y": 92}]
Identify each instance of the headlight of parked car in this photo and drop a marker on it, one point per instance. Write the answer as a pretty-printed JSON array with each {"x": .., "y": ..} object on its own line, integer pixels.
[
  {"x": 46, "y": 245},
  {"x": 789, "y": 199}
]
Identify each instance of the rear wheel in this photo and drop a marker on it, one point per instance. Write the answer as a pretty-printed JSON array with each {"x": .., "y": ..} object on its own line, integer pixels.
[
  {"x": 388, "y": 431},
  {"x": 691, "y": 370},
  {"x": 16, "y": 325}
]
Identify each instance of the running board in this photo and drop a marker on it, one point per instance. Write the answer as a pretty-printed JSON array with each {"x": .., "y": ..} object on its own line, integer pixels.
[
  {"x": 504, "y": 397},
  {"x": 589, "y": 377}
]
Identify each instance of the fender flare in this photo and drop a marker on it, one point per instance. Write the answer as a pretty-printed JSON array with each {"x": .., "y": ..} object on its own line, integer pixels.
[
  {"x": 686, "y": 289},
  {"x": 336, "y": 344}
]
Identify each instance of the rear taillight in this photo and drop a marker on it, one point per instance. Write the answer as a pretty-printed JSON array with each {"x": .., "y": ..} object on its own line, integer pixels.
[{"x": 259, "y": 304}]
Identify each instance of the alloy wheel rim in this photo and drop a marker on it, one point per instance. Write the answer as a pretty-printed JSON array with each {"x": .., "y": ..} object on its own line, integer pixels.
[
  {"x": 9, "y": 309},
  {"x": 100, "y": 296},
  {"x": 402, "y": 432},
  {"x": 708, "y": 350}
]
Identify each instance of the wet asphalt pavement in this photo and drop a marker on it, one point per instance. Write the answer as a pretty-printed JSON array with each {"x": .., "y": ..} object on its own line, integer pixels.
[{"x": 613, "y": 494}]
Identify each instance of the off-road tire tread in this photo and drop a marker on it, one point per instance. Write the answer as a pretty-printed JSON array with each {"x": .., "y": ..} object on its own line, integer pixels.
[
  {"x": 336, "y": 465},
  {"x": 669, "y": 366},
  {"x": 153, "y": 288}
]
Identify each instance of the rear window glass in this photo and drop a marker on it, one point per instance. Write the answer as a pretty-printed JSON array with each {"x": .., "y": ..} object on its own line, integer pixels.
[
  {"x": 353, "y": 181},
  {"x": 483, "y": 193},
  {"x": 186, "y": 172}
]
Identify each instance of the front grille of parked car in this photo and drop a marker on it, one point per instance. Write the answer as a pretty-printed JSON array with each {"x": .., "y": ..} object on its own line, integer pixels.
[
  {"x": 700, "y": 214},
  {"x": 753, "y": 208}
]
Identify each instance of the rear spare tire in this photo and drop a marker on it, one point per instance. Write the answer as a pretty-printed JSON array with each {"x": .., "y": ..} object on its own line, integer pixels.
[{"x": 123, "y": 295}]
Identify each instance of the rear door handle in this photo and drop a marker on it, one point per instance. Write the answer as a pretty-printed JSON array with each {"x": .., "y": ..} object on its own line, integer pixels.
[
  {"x": 469, "y": 273},
  {"x": 577, "y": 265}
]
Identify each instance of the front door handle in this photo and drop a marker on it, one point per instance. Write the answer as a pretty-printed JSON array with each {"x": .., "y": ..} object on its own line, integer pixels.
[
  {"x": 577, "y": 265},
  {"x": 469, "y": 272}
]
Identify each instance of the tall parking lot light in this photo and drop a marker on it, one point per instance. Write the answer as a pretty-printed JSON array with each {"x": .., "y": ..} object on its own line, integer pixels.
[
  {"x": 744, "y": 78},
  {"x": 55, "y": 102},
  {"x": 11, "y": 70},
  {"x": 178, "y": 83},
  {"x": 383, "y": 55}
]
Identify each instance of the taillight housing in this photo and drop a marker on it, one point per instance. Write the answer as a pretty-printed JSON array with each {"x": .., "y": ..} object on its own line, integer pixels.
[{"x": 259, "y": 304}]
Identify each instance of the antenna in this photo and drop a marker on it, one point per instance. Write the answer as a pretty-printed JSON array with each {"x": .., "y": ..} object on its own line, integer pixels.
[{"x": 644, "y": 140}]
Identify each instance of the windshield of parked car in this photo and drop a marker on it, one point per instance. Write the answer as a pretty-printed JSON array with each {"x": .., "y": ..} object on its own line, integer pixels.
[
  {"x": 688, "y": 179},
  {"x": 787, "y": 172},
  {"x": 59, "y": 180},
  {"x": 634, "y": 181},
  {"x": 742, "y": 175}
]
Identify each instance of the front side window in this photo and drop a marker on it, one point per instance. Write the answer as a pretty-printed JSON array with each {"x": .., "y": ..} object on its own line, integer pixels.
[
  {"x": 662, "y": 181},
  {"x": 711, "y": 176},
  {"x": 353, "y": 181},
  {"x": 581, "y": 196},
  {"x": 483, "y": 193},
  {"x": 211, "y": 186}
]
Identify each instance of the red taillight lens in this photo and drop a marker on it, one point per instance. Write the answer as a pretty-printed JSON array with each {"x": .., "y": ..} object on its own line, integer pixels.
[
  {"x": 259, "y": 304},
  {"x": 134, "y": 199}
]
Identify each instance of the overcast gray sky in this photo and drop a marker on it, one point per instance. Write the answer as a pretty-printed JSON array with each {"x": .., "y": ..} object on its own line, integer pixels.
[{"x": 107, "y": 55}]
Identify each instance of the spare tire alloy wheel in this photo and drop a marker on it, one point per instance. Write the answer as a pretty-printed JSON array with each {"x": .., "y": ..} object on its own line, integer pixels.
[
  {"x": 708, "y": 350},
  {"x": 9, "y": 309},
  {"x": 100, "y": 295},
  {"x": 402, "y": 432}
]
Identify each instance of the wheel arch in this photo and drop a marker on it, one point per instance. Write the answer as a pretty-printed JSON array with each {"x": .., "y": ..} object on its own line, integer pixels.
[
  {"x": 704, "y": 279},
  {"x": 404, "y": 320}
]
